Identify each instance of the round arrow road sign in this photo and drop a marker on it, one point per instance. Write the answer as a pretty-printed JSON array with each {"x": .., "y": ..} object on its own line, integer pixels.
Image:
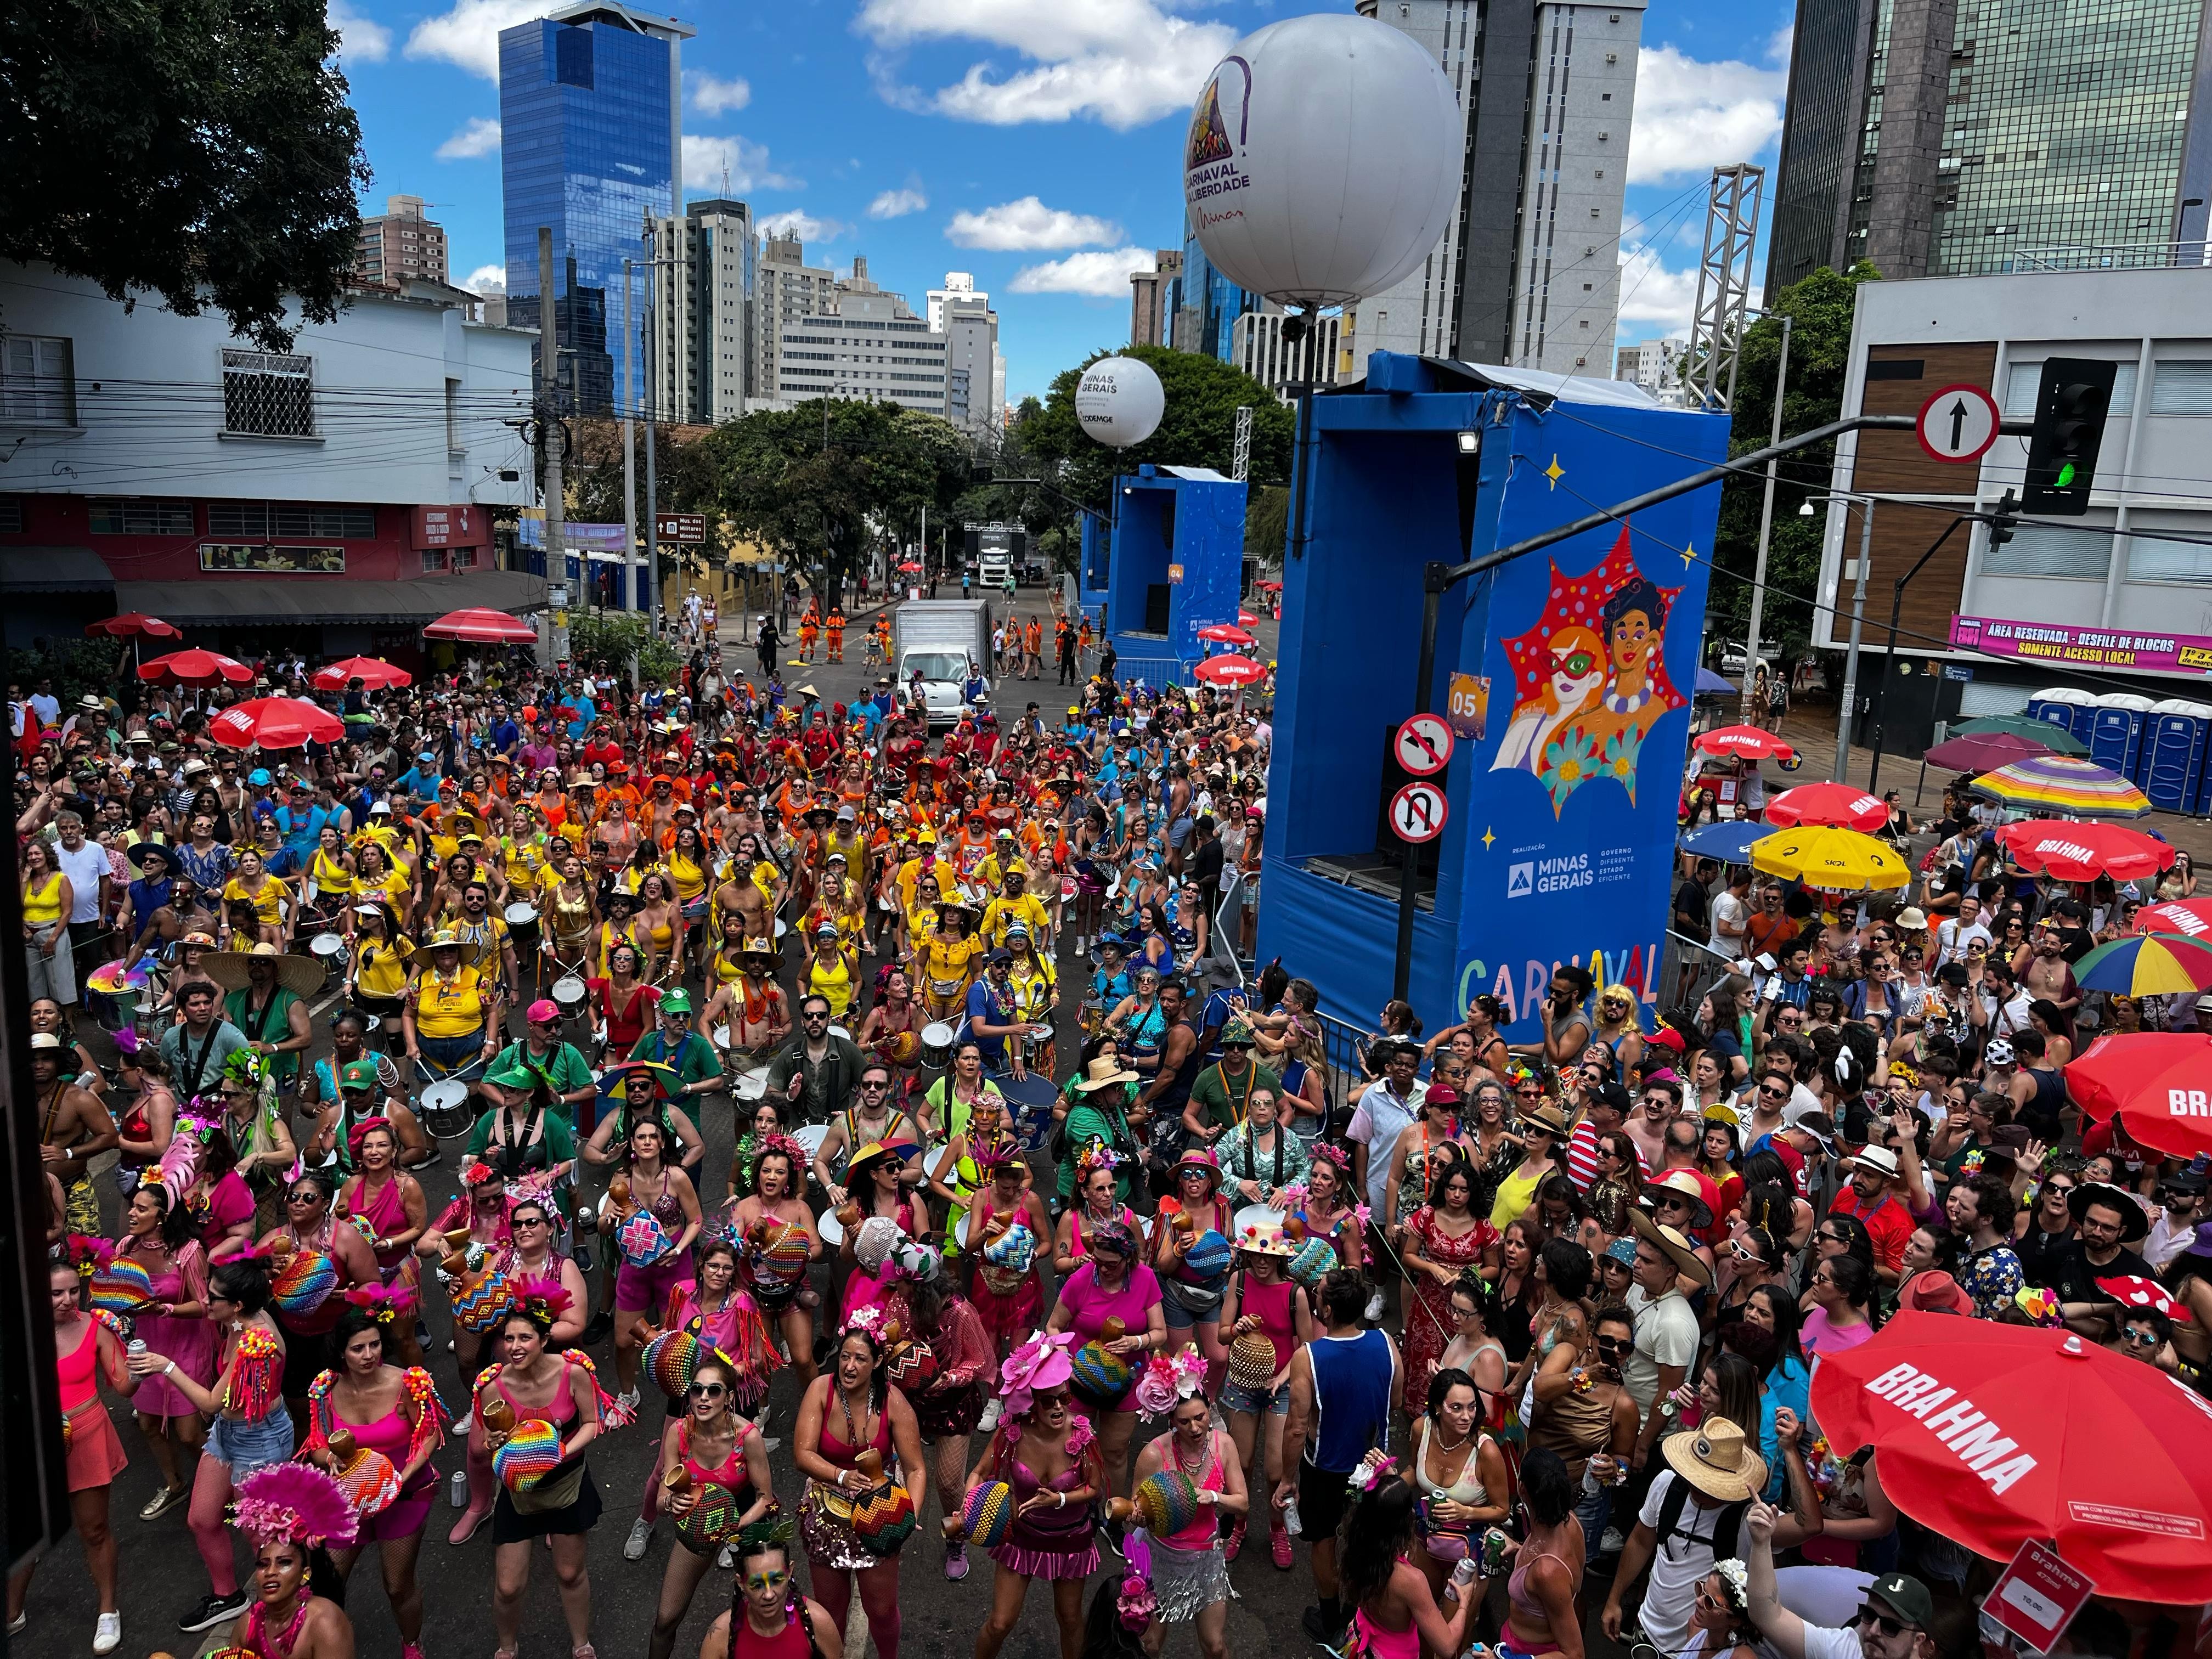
[
  {"x": 1418, "y": 812},
  {"x": 1958, "y": 423},
  {"x": 1423, "y": 743}
]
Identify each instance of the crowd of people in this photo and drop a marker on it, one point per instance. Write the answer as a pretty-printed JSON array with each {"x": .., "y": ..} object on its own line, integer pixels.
[{"x": 1054, "y": 1212}]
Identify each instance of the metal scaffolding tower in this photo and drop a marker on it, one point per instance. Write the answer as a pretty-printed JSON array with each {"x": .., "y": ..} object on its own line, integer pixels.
[
  {"x": 1724, "y": 284},
  {"x": 1241, "y": 468}
]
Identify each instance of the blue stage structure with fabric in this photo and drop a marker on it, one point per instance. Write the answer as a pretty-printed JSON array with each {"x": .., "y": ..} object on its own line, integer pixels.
[
  {"x": 1566, "y": 674},
  {"x": 1174, "y": 564}
]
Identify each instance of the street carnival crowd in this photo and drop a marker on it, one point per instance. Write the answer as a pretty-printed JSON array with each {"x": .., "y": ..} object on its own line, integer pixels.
[{"x": 1055, "y": 1218}]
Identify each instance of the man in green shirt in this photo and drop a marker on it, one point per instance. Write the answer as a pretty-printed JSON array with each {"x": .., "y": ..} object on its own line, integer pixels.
[
  {"x": 517, "y": 1139},
  {"x": 266, "y": 1003},
  {"x": 1219, "y": 1098},
  {"x": 1102, "y": 1098},
  {"x": 677, "y": 1045},
  {"x": 540, "y": 1052}
]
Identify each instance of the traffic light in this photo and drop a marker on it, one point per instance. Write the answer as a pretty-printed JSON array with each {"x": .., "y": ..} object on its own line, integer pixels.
[
  {"x": 2003, "y": 520},
  {"x": 2071, "y": 406}
]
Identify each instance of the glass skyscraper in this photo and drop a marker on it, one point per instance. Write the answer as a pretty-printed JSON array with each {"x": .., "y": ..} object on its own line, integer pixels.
[{"x": 591, "y": 144}]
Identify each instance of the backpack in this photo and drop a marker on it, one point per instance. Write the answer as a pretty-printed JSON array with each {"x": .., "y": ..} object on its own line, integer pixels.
[{"x": 1726, "y": 1528}]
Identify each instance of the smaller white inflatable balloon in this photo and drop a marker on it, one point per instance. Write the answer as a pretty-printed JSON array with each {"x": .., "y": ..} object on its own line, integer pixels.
[{"x": 1119, "y": 401}]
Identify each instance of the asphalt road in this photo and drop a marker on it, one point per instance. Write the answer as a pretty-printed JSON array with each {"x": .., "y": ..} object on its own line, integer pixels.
[{"x": 161, "y": 1574}]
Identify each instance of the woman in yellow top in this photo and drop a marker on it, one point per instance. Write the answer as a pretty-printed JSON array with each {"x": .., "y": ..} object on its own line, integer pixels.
[
  {"x": 376, "y": 982},
  {"x": 270, "y": 895},
  {"x": 947, "y": 958},
  {"x": 331, "y": 873},
  {"x": 619, "y": 929},
  {"x": 660, "y": 926},
  {"x": 689, "y": 866},
  {"x": 572, "y": 915},
  {"x": 452, "y": 1016},
  {"x": 376, "y": 876},
  {"x": 833, "y": 967},
  {"x": 47, "y": 901},
  {"x": 1034, "y": 989}
]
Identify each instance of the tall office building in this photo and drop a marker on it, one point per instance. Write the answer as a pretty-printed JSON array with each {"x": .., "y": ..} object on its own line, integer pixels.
[
  {"x": 703, "y": 312},
  {"x": 1527, "y": 273},
  {"x": 866, "y": 342},
  {"x": 1151, "y": 299},
  {"x": 1938, "y": 138},
  {"x": 958, "y": 285},
  {"x": 400, "y": 245},
  {"x": 1206, "y": 304},
  {"x": 1263, "y": 353},
  {"x": 591, "y": 144},
  {"x": 972, "y": 364},
  {"x": 786, "y": 289}
]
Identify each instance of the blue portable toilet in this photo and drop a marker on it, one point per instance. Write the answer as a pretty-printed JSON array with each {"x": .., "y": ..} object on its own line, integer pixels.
[
  {"x": 2115, "y": 731},
  {"x": 2066, "y": 706},
  {"x": 2173, "y": 750}
]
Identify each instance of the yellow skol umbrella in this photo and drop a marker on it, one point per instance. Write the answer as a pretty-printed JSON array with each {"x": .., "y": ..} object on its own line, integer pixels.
[{"x": 1832, "y": 860}]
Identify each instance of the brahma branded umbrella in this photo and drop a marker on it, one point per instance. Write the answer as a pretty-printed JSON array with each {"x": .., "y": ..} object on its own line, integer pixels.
[
  {"x": 1993, "y": 1434},
  {"x": 274, "y": 723},
  {"x": 1745, "y": 740},
  {"x": 2161, "y": 1080},
  {"x": 2189, "y": 917},
  {"x": 480, "y": 626},
  {"x": 374, "y": 672},
  {"x": 1226, "y": 634},
  {"x": 1839, "y": 804},
  {"x": 2067, "y": 851},
  {"x": 1231, "y": 670},
  {"x": 196, "y": 667},
  {"x": 134, "y": 623}
]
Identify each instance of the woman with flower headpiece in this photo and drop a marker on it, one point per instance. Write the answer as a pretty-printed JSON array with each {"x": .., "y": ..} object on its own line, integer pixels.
[
  {"x": 365, "y": 1407},
  {"x": 1321, "y": 1208},
  {"x": 649, "y": 1186},
  {"x": 1262, "y": 1305},
  {"x": 714, "y": 1456},
  {"x": 1192, "y": 1276},
  {"x": 1046, "y": 1452},
  {"x": 1006, "y": 1269},
  {"x": 856, "y": 1435},
  {"x": 780, "y": 1244},
  {"x": 293, "y": 1513},
  {"x": 87, "y": 1348},
  {"x": 1443, "y": 1239},
  {"x": 1188, "y": 1567},
  {"x": 1115, "y": 1287},
  {"x": 768, "y": 1618},
  {"x": 158, "y": 1234},
  {"x": 1097, "y": 1203}
]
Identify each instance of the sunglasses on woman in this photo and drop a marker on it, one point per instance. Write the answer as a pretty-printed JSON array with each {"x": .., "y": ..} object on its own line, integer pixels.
[{"x": 707, "y": 1390}]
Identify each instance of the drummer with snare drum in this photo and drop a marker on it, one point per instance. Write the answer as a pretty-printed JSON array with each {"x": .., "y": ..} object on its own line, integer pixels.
[
  {"x": 995, "y": 1019},
  {"x": 817, "y": 1070},
  {"x": 874, "y": 1116},
  {"x": 748, "y": 1017}
]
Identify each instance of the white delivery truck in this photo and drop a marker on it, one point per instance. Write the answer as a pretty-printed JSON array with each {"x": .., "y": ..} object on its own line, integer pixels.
[{"x": 943, "y": 641}]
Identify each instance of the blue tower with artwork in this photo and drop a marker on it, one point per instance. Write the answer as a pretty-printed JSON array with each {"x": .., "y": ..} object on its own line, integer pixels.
[
  {"x": 1174, "y": 564},
  {"x": 1566, "y": 676}
]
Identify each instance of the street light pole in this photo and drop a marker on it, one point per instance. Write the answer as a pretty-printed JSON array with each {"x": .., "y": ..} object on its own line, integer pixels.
[
  {"x": 1765, "y": 531},
  {"x": 1859, "y": 617}
]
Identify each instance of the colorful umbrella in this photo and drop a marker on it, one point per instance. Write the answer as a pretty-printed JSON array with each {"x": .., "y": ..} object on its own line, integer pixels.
[
  {"x": 1230, "y": 671},
  {"x": 374, "y": 672},
  {"x": 1226, "y": 634},
  {"x": 1985, "y": 753},
  {"x": 479, "y": 626},
  {"x": 1833, "y": 860},
  {"x": 1993, "y": 1434},
  {"x": 196, "y": 667},
  {"x": 1272, "y": 584},
  {"x": 274, "y": 723},
  {"x": 2157, "y": 1078},
  {"x": 2051, "y": 739},
  {"x": 2082, "y": 851},
  {"x": 2190, "y": 917},
  {"x": 2059, "y": 783},
  {"x": 132, "y": 623},
  {"x": 2146, "y": 964},
  {"x": 1836, "y": 804},
  {"x": 909, "y": 568},
  {"x": 1745, "y": 740}
]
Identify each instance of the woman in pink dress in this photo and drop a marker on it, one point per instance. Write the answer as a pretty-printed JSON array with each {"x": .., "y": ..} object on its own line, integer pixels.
[
  {"x": 1443, "y": 1239},
  {"x": 160, "y": 1237}
]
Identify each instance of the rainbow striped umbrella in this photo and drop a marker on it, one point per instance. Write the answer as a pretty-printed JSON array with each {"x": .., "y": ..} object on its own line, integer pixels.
[
  {"x": 2060, "y": 783},
  {"x": 2146, "y": 964}
]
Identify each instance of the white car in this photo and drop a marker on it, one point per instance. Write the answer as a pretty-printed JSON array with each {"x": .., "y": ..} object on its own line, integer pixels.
[{"x": 1732, "y": 657}]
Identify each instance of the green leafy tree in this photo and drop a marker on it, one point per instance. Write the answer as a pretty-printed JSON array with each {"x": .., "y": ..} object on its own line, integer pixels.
[
  {"x": 620, "y": 638},
  {"x": 1820, "y": 307},
  {"x": 201, "y": 150},
  {"x": 1268, "y": 524}
]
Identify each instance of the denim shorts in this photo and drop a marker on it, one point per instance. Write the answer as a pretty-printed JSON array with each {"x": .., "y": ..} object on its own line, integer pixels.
[
  {"x": 246, "y": 1447},
  {"x": 1260, "y": 1402}
]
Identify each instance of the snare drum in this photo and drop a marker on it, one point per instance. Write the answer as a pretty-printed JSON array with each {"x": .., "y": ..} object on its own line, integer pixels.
[
  {"x": 937, "y": 1045},
  {"x": 444, "y": 1110},
  {"x": 828, "y": 1228},
  {"x": 809, "y": 1136},
  {"x": 752, "y": 1085},
  {"x": 568, "y": 995},
  {"x": 330, "y": 952},
  {"x": 522, "y": 928}
]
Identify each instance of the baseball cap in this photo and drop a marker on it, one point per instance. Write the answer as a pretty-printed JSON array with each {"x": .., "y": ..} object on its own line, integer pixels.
[
  {"x": 1906, "y": 1596},
  {"x": 677, "y": 1001},
  {"x": 358, "y": 1074},
  {"x": 2204, "y": 1003},
  {"x": 542, "y": 1010}
]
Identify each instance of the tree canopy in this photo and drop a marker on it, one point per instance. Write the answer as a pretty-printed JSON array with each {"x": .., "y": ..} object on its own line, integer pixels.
[{"x": 203, "y": 150}]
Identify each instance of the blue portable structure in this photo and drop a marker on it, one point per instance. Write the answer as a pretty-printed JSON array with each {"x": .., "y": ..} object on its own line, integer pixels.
[
  {"x": 2173, "y": 748},
  {"x": 1097, "y": 560},
  {"x": 2066, "y": 706},
  {"x": 2115, "y": 731},
  {"x": 1566, "y": 674},
  {"x": 1175, "y": 565}
]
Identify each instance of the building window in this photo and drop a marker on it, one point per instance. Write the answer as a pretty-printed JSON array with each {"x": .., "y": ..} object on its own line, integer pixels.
[
  {"x": 2155, "y": 559},
  {"x": 268, "y": 394},
  {"x": 139, "y": 515},
  {"x": 36, "y": 387},
  {"x": 434, "y": 558},
  {"x": 274, "y": 520},
  {"x": 2022, "y": 379},
  {"x": 2044, "y": 550},
  {"x": 2179, "y": 388},
  {"x": 11, "y": 515}
]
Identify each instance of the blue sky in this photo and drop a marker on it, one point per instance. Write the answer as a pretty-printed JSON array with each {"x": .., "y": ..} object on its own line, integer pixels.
[{"x": 1033, "y": 143}]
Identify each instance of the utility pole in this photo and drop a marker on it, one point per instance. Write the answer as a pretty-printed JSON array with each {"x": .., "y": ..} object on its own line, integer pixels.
[
  {"x": 629, "y": 401},
  {"x": 551, "y": 433},
  {"x": 1858, "y": 616},
  {"x": 652, "y": 479},
  {"x": 1765, "y": 531}
]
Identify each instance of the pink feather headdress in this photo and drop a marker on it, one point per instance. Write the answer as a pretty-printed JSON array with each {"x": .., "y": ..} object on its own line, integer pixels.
[{"x": 297, "y": 1502}]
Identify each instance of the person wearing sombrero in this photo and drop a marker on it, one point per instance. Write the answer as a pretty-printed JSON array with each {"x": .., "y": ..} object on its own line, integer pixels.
[
  {"x": 2107, "y": 1220},
  {"x": 265, "y": 998},
  {"x": 453, "y": 1009},
  {"x": 876, "y": 1187}
]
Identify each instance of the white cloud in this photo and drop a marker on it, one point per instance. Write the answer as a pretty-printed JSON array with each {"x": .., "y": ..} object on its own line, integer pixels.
[
  {"x": 1028, "y": 223},
  {"x": 897, "y": 204},
  {"x": 1121, "y": 62},
  {"x": 1692, "y": 117},
  {"x": 1650, "y": 294},
  {"x": 363, "y": 39},
  {"x": 1105, "y": 276},
  {"x": 466, "y": 34},
  {"x": 711, "y": 95},
  {"x": 479, "y": 138},
  {"x": 805, "y": 225},
  {"x": 705, "y": 157},
  {"x": 486, "y": 279}
]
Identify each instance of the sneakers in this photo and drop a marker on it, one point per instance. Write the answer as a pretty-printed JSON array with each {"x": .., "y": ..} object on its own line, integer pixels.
[
  {"x": 466, "y": 1427},
  {"x": 640, "y": 1535},
  {"x": 1613, "y": 1543},
  {"x": 1236, "y": 1544},
  {"x": 628, "y": 1400},
  {"x": 1278, "y": 1546},
  {"x": 600, "y": 1327},
  {"x": 107, "y": 1634},
  {"x": 989, "y": 1420},
  {"x": 162, "y": 1502},
  {"x": 955, "y": 1562},
  {"x": 1373, "y": 1312},
  {"x": 212, "y": 1610}
]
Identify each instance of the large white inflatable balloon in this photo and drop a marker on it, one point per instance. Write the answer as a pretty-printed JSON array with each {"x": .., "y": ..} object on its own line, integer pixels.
[
  {"x": 1323, "y": 159},
  {"x": 1119, "y": 401}
]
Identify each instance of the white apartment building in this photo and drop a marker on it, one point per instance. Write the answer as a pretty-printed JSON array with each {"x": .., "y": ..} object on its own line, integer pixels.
[
  {"x": 786, "y": 289},
  {"x": 1655, "y": 365},
  {"x": 866, "y": 343},
  {"x": 399, "y": 244},
  {"x": 1256, "y": 340},
  {"x": 702, "y": 333}
]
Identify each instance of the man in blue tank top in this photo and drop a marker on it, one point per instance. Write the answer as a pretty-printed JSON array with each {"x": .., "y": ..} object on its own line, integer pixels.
[{"x": 1341, "y": 1386}]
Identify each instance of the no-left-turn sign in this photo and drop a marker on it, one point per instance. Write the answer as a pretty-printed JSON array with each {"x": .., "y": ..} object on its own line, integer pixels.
[{"x": 1423, "y": 744}]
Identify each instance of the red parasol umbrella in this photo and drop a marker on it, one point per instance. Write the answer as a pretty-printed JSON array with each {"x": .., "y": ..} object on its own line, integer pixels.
[
  {"x": 479, "y": 626},
  {"x": 2070, "y": 851},
  {"x": 132, "y": 623},
  {"x": 1231, "y": 670},
  {"x": 1983, "y": 751},
  {"x": 1839, "y": 805},
  {"x": 1226, "y": 634},
  {"x": 1272, "y": 584},
  {"x": 1246, "y": 618},
  {"x": 2190, "y": 917},
  {"x": 1747, "y": 741},
  {"x": 2157, "y": 1079},
  {"x": 1993, "y": 1434},
  {"x": 374, "y": 672},
  {"x": 909, "y": 568},
  {"x": 196, "y": 667},
  {"x": 274, "y": 723}
]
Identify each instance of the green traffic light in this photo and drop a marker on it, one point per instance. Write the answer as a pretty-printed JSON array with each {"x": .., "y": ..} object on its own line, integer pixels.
[{"x": 2065, "y": 476}]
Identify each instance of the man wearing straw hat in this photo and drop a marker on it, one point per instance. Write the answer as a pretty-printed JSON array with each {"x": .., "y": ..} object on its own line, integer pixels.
[
  {"x": 1666, "y": 1328},
  {"x": 265, "y": 999}
]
